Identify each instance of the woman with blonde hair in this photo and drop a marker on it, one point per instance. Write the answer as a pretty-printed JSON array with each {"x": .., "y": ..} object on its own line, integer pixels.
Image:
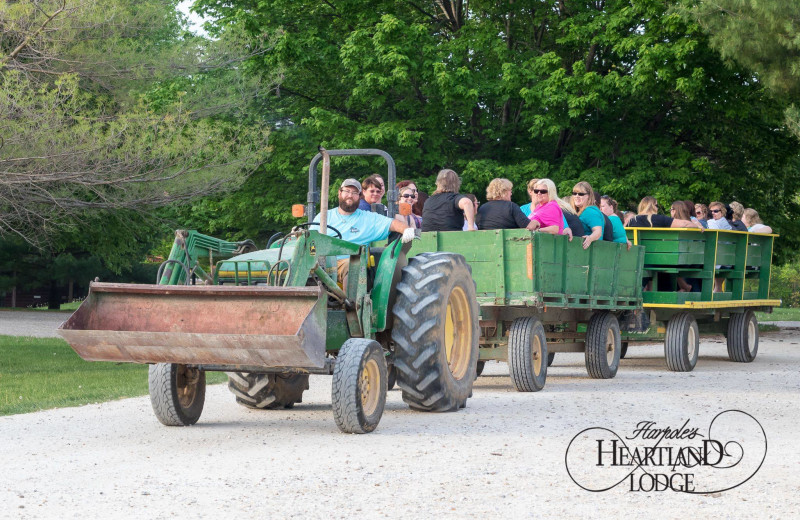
[
  {"x": 446, "y": 209},
  {"x": 547, "y": 211},
  {"x": 527, "y": 208},
  {"x": 592, "y": 218},
  {"x": 499, "y": 212},
  {"x": 753, "y": 222}
]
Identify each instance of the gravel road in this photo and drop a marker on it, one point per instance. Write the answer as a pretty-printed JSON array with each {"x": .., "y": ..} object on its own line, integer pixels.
[
  {"x": 41, "y": 324},
  {"x": 502, "y": 456}
]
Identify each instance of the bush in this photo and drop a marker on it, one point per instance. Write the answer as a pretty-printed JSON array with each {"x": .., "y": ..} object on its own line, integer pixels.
[{"x": 785, "y": 284}]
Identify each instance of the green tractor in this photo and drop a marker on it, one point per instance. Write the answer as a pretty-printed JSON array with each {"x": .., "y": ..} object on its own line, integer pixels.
[{"x": 271, "y": 318}]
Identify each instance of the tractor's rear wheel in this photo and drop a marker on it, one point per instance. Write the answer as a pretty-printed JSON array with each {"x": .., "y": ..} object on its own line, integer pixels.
[
  {"x": 267, "y": 391},
  {"x": 743, "y": 337},
  {"x": 436, "y": 332},
  {"x": 358, "y": 390},
  {"x": 177, "y": 393},
  {"x": 602, "y": 345}
]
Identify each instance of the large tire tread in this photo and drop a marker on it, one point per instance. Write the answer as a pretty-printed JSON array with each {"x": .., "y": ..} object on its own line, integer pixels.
[
  {"x": 162, "y": 382},
  {"x": 423, "y": 374},
  {"x": 346, "y": 400},
  {"x": 267, "y": 391}
]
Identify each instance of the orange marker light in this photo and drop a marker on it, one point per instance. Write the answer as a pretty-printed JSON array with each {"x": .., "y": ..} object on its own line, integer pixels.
[{"x": 298, "y": 210}]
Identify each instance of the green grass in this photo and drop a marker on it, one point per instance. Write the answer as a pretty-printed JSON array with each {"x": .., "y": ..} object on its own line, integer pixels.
[
  {"x": 41, "y": 373},
  {"x": 780, "y": 314}
]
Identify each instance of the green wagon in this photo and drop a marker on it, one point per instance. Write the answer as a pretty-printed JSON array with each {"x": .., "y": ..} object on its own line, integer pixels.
[
  {"x": 743, "y": 260},
  {"x": 537, "y": 291}
]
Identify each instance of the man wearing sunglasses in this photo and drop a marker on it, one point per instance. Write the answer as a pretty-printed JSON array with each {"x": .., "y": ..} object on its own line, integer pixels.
[{"x": 718, "y": 220}]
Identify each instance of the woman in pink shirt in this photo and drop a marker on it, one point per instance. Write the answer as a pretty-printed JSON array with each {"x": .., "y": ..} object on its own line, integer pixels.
[{"x": 547, "y": 212}]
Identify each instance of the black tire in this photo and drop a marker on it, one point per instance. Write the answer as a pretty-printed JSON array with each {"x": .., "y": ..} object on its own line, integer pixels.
[
  {"x": 177, "y": 393},
  {"x": 682, "y": 343},
  {"x": 743, "y": 337},
  {"x": 550, "y": 357},
  {"x": 623, "y": 350},
  {"x": 358, "y": 392},
  {"x": 392, "y": 377},
  {"x": 479, "y": 368},
  {"x": 267, "y": 391},
  {"x": 436, "y": 305},
  {"x": 527, "y": 354},
  {"x": 602, "y": 345}
]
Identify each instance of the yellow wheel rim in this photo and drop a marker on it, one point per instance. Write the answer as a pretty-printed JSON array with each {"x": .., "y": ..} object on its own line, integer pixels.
[
  {"x": 536, "y": 355},
  {"x": 186, "y": 383},
  {"x": 369, "y": 385},
  {"x": 610, "y": 346},
  {"x": 458, "y": 333}
]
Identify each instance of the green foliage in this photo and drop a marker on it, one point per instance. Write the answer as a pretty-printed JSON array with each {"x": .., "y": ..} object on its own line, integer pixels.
[
  {"x": 785, "y": 284},
  {"x": 41, "y": 373},
  {"x": 630, "y": 97}
]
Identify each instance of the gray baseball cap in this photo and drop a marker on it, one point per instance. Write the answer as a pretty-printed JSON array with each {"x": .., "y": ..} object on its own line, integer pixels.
[{"x": 352, "y": 183}]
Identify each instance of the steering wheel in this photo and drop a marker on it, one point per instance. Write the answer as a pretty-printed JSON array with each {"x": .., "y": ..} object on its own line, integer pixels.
[{"x": 307, "y": 224}]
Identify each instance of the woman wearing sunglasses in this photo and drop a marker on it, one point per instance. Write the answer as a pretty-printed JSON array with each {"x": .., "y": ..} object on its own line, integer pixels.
[
  {"x": 592, "y": 218},
  {"x": 547, "y": 209},
  {"x": 499, "y": 212},
  {"x": 409, "y": 194}
]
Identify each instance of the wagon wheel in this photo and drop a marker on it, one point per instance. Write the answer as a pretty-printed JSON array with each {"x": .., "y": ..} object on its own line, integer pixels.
[
  {"x": 743, "y": 337},
  {"x": 527, "y": 354},
  {"x": 682, "y": 343},
  {"x": 602, "y": 345}
]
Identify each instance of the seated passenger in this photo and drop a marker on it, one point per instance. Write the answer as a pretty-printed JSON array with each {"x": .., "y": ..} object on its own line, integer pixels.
[
  {"x": 477, "y": 204},
  {"x": 753, "y": 221},
  {"x": 499, "y": 212},
  {"x": 574, "y": 223},
  {"x": 547, "y": 216},
  {"x": 527, "y": 208},
  {"x": 736, "y": 220},
  {"x": 609, "y": 208},
  {"x": 446, "y": 209},
  {"x": 590, "y": 215},
  {"x": 718, "y": 220},
  {"x": 372, "y": 192},
  {"x": 407, "y": 191},
  {"x": 648, "y": 217},
  {"x": 701, "y": 212}
]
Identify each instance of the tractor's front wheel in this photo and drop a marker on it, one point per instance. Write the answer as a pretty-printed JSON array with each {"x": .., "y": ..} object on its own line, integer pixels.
[
  {"x": 267, "y": 391},
  {"x": 436, "y": 332},
  {"x": 177, "y": 393},
  {"x": 358, "y": 391}
]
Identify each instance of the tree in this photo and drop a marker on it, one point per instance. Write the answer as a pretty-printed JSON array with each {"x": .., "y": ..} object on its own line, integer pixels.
[
  {"x": 629, "y": 96},
  {"x": 111, "y": 105}
]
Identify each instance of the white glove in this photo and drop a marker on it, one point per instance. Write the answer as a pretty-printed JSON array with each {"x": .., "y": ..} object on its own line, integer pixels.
[{"x": 408, "y": 235}]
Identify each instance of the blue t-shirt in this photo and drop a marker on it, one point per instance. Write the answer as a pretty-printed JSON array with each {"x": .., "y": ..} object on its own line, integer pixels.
[
  {"x": 592, "y": 217},
  {"x": 361, "y": 227},
  {"x": 526, "y": 209},
  {"x": 619, "y": 229}
]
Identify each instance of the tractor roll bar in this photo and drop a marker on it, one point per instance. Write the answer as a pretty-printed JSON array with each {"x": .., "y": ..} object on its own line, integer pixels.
[{"x": 313, "y": 192}]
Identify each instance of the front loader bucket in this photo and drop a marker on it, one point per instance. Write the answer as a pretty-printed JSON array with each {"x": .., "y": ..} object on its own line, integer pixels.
[{"x": 200, "y": 325}]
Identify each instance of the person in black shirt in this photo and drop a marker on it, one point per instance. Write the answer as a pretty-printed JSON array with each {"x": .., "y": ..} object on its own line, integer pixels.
[
  {"x": 499, "y": 212},
  {"x": 446, "y": 209}
]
